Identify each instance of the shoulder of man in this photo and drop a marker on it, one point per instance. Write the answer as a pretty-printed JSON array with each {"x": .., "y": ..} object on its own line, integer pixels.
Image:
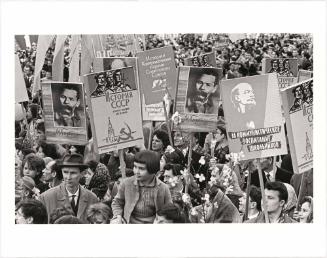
[
  {"x": 50, "y": 192},
  {"x": 259, "y": 219},
  {"x": 90, "y": 194}
]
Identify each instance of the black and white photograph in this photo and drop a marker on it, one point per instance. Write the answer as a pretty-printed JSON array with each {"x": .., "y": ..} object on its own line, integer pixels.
[{"x": 232, "y": 148}]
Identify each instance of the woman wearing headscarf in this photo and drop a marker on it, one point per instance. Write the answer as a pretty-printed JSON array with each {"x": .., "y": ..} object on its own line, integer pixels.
[
  {"x": 97, "y": 178},
  {"x": 290, "y": 206}
]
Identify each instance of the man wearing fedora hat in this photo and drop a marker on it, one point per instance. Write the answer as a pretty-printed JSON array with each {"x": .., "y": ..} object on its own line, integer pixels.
[{"x": 69, "y": 192}]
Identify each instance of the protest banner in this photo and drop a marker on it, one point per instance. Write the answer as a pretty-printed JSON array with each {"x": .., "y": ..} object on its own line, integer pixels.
[
  {"x": 157, "y": 74},
  {"x": 286, "y": 69},
  {"x": 304, "y": 75},
  {"x": 118, "y": 45},
  {"x": 205, "y": 60},
  {"x": 20, "y": 86},
  {"x": 252, "y": 109},
  {"x": 64, "y": 113},
  {"x": 298, "y": 106},
  {"x": 152, "y": 112},
  {"x": 113, "y": 98},
  {"x": 197, "y": 99}
]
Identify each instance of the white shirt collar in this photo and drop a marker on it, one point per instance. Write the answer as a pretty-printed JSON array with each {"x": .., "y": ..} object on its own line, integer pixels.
[{"x": 71, "y": 194}]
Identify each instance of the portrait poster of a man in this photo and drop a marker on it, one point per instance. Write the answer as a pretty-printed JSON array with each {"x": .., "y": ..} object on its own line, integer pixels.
[
  {"x": 253, "y": 115},
  {"x": 68, "y": 105},
  {"x": 203, "y": 94}
]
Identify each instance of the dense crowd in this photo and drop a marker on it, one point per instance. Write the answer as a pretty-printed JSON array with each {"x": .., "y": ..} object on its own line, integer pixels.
[{"x": 193, "y": 179}]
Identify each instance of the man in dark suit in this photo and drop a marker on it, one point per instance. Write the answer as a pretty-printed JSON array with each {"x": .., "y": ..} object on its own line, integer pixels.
[
  {"x": 270, "y": 173},
  {"x": 70, "y": 193}
]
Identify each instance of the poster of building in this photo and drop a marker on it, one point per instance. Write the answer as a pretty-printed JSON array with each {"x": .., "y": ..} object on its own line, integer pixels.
[
  {"x": 298, "y": 110},
  {"x": 253, "y": 115},
  {"x": 64, "y": 113},
  {"x": 286, "y": 69},
  {"x": 115, "y": 110}
]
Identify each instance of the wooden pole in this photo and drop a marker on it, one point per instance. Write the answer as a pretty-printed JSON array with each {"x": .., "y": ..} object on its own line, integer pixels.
[
  {"x": 189, "y": 160},
  {"x": 247, "y": 194},
  {"x": 122, "y": 163},
  {"x": 168, "y": 124},
  {"x": 262, "y": 188},
  {"x": 150, "y": 136},
  {"x": 299, "y": 195}
]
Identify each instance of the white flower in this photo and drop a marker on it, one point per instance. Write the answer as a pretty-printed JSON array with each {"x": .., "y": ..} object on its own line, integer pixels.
[
  {"x": 202, "y": 160},
  {"x": 202, "y": 178},
  {"x": 215, "y": 205},
  {"x": 194, "y": 212},
  {"x": 170, "y": 149},
  {"x": 186, "y": 198}
]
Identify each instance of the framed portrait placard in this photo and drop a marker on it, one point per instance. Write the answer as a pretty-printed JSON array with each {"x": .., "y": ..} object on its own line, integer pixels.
[
  {"x": 298, "y": 110},
  {"x": 285, "y": 68},
  {"x": 204, "y": 60},
  {"x": 64, "y": 113},
  {"x": 252, "y": 109},
  {"x": 198, "y": 98}
]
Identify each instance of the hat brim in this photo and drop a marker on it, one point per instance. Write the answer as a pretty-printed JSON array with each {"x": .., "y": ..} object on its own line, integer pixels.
[{"x": 81, "y": 166}]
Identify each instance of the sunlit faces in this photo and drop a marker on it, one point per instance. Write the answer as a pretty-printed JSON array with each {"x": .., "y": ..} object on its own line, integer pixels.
[
  {"x": 305, "y": 212},
  {"x": 273, "y": 202},
  {"x": 47, "y": 172},
  {"x": 168, "y": 175},
  {"x": 157, "y": 144},
  {"x": 141, "y": 172},
  {"x": 162, "y": 163},
  {"x": 218, "y": 135},
  {"x": 178, "y": 139},
  {"x": 242, "y": 203},
  {"x": 28, "y": 172},
  {"x": 71, "y": 177},
  {"x": 265, "y": 163},
  {"x": 88, "y": 176}
]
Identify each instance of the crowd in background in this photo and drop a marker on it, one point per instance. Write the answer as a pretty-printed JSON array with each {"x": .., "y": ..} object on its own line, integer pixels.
[{"x": 213, "y": 190}]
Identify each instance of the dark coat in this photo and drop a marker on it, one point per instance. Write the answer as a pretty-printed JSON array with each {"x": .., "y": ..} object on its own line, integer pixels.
[{"x": 281, "y": 175}]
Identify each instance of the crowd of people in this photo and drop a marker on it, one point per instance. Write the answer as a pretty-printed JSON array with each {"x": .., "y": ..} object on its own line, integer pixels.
[{"x": 192, "y": 178}]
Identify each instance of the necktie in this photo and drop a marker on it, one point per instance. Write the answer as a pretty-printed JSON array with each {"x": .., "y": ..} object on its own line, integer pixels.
[
  {"x": 268, "y": 177},
  {"x": 72, "y": 203}
]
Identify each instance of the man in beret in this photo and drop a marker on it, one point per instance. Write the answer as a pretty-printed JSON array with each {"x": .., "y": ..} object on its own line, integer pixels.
[{"x": 69, "y": 192}]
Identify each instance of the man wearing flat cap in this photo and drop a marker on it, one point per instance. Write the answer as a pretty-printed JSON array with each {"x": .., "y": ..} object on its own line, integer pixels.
[{"x": 69, "y": 192}]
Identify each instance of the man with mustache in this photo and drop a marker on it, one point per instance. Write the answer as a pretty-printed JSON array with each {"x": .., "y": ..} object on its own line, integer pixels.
[
  {"x": 202, "y": 98},
  {"x": 69, "y": 112}
]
